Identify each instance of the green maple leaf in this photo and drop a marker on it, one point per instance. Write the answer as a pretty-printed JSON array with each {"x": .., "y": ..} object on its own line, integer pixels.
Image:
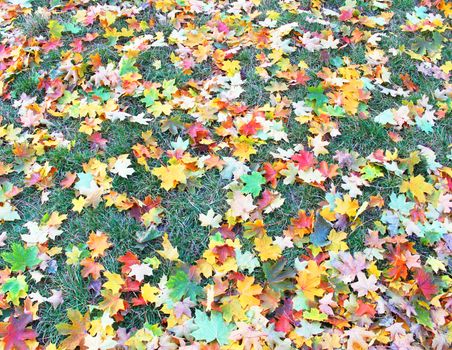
[
  {"x": 84, "y": 181},
  {"x": 4, "y": 189},
  {"x": 253, "y": 183},
  {"x": 300, "y": 302},
  {"x": 22, "y": 3},
  {"x": 335, "y": 111},
  {"x": 15, "y": 288},
  {"x": 55, "y": 29},
  {"x": 314, "y": 315},
  {"x": 127, "y": 66},
  {"x": 421, "y": 45},
  {"x": 336, "y": 61},
  {"x": 371, "y": 172},
  {"x": 20, "y": 257},
  {"x": 213, "y": 328},
  {"x": 102, "y": 93},
  {"x": 316, "y": 94},
  {"x": 181, "y": 286},
  {"x": 168, "y": 88},
  {"x": 423, "y": 316},
  {"x": 308, "y": 329},
  {"x": 424, "y": 124},
  {"x": 432, "y": 232},
  {"x": 149, "y": 96},
  {"x": 278, "y": 275},
  {"x": 73, "y": 28}
]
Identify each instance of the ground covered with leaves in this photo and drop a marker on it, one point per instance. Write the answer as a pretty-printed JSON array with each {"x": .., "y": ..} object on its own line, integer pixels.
[{"x": 244, "y": 175}]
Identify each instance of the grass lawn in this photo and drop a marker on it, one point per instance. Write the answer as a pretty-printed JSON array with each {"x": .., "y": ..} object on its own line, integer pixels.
[{"x": 185, "y": 173}]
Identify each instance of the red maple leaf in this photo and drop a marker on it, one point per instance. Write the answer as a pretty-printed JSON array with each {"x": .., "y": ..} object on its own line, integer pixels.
[
  {"x": 223, "y": 252},
  {"x": 304, "y": 160},
  {"x": 52, "y": 44},
  {"x": 284, "y": 317},
  {"x": 303, "y": 220},
  {"x": 267, "y": 198},
  {"x": 346, "y": 15},
  {"x": 301, "y": 77},
  {"x": 68, "y": 180},
  {"x": 128, "y": 259},
  {"x": 139, "y": 301},
  {"x": 97, "y": 140},
  {"x": 197, "y": 132},
  {"x": 398, "y": 262},
  {"x": 406, "y": 79},
  {"x": 15, "y": 332},
  {"x": 226, "y": 232},
  {"x": 270, "y": 174},
  {"x": 329, "y": 171},
  {"x": 425, "y": 283},
  {"x": 131, "y": 286},
  {"x": 365, "y": 309},
  {"x": 250, "y": 128}
]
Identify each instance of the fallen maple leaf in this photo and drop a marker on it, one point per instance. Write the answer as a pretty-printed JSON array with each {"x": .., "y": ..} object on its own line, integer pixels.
[
  {"x": 76, "y": 330},
  {"x": 120, "y": 166},
  {"x": 418, "y": 187},
  {"x": 425, "y": 284},
  {"x": 15, "y": 333},
  {"x": 241, "y": 205},
  {"x": 171, "y": 175},
  {"x": 210, "y": 219},
  {"x": 248, "y": 291},
  {"x": 98, "y": 243}
]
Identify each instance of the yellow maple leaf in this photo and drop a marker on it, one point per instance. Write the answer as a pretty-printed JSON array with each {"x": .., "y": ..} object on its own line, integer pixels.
[
  {"x": 78, "y": 204},
  {"x": 110, "y": 17},
  {"x": 73, "y": 256},
  {"x": 327, "y": 213},
  {"x": 337, "y": 241},
  {"x": 152, "y": 217},
  {"x": 351, "y": 94},
  {"x": 158, "y": 108},
  {"x": 171, "y": 175},
  {"x": 112, "y": 303},
  {"x": 232, "y": 309},
  {"x": 346, "y": 206},
  {"x": 330, "y": 341},
  {"x": 435, "y": 264},
  {"x": 373, "y": 269},
  {"x": 168, "y": 252},
  {"x": 204, "y": 268},
  {"x": 266, "y": 248},
  {"x": 114, "y": 282},
  {"x": 231, "y": 67},
  {"x": 418, "y": 187},
  {"x": 243, "y": 151},
  {"x": 308, "y": 280},
  {"x": 91, "y": 109},
  {"x": 248, "y": 290},
  {"x": 149, "y": 293}
]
